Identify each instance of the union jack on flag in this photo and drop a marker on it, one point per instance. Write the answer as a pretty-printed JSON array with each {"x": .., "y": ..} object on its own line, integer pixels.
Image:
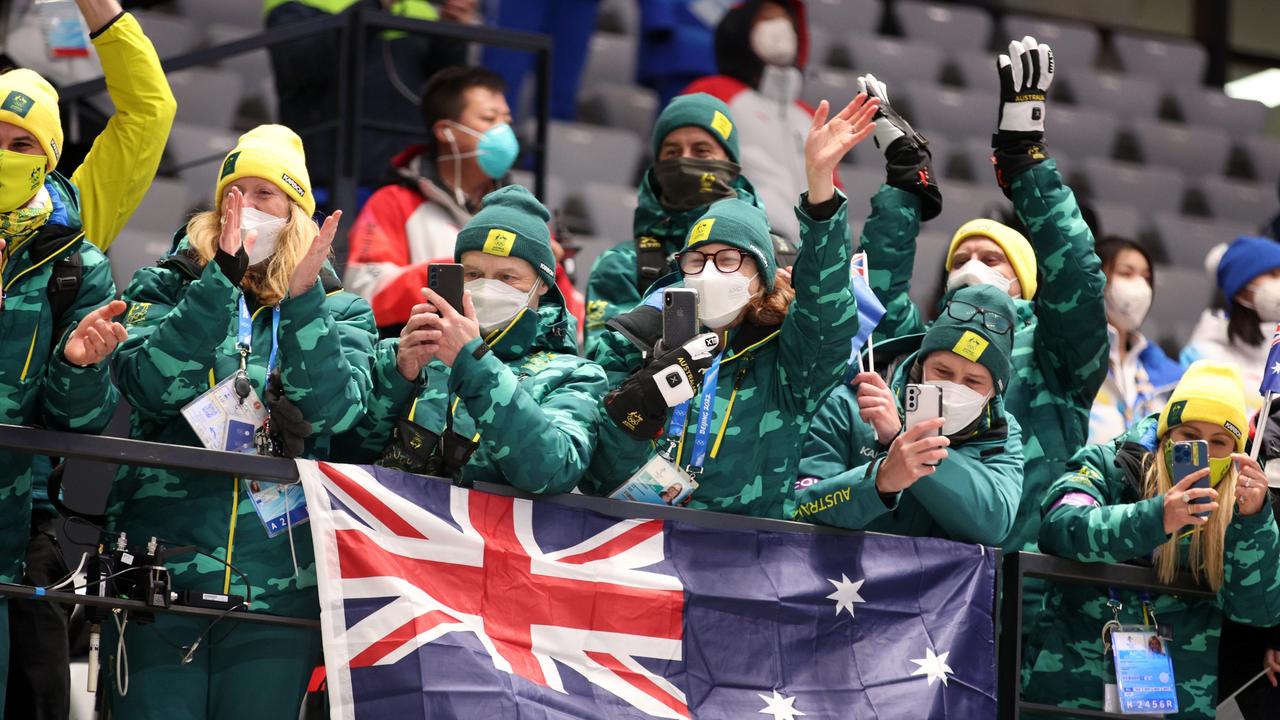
[{"x": 440, "y": 602}]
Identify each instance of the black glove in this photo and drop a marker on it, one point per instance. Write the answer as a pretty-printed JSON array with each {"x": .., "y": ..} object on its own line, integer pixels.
[
  {"x": 233, "y": 266},
  {"x": 906, "y": 152},
  {"x": 1025, "y": 75},
  {"x": 288, "y": 428},
  {"x": 639, "y": 405}
]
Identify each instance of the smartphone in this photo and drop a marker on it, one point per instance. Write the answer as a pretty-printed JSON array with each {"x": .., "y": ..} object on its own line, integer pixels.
[
  {"x": 1191, "y": 456},
  {"x": 446, "y": 280},
  {"x": 923, "y": 402},
  {"x": 679, "y": 316}
]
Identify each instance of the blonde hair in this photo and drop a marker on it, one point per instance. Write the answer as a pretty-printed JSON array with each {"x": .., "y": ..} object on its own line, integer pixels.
[
  {"x": 1208, "y": 541},
  {"x": 295, "y": 239},
  {"x": 770, "y": 308}
]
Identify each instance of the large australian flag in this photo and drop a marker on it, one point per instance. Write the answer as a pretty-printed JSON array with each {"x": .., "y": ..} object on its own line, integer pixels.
[{"x": 443, "y": 602}]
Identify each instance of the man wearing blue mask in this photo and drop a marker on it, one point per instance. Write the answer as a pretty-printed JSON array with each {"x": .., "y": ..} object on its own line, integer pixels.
[{"x": 436, "y": 188}]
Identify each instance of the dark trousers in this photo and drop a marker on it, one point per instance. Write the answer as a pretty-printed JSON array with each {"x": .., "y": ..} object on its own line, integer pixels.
[{"x": 39, "y": 674}]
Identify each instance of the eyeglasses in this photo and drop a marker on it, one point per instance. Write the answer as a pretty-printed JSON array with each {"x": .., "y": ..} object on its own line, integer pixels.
[
  {"x": 693, "y": 261},
  {"x": 991, "y": 320}
]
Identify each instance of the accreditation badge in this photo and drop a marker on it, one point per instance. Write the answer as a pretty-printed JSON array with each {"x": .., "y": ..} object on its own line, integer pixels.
[
  {"x": 1144, "y": 673},
  {"x": 224, "y": 419},
  {"x": 659, "y": 482}
]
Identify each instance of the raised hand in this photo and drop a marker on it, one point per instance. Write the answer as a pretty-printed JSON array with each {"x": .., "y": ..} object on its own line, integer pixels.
[
  {"x": 877, "y": 406},
  {"x": 889, "y": 124},
  {"x": 455, "y": 329},
  {"x": 1251, "y": 485},
  {"x": 829, "y": 141},
  {"x": 1025, "y": 75},
  {"x": 1178, "y": 510},
  {"x": 229, "y": 241},
  {"x": 418, "y": 342},
  {"x": 912, "y": 455},
  {"x": 308, "y": 269},
  {"x": 96, "y": 336}
]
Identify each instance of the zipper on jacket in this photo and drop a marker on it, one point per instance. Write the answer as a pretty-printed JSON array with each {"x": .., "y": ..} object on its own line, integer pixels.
[
  {"x": 30, "y": 351},
  {"x": 26, "y": 367}
]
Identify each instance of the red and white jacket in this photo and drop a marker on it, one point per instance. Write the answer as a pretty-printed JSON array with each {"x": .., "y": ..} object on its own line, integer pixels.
[{"x": 401, "y": 230}]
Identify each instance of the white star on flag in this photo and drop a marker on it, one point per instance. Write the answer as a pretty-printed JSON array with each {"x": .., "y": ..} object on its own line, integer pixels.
[
  {"x": 780, "y": 707},
  {"x": 935, "y": 667},
  {"x": 846, "y": 593},
  {"x": 1276, "y": 368}
]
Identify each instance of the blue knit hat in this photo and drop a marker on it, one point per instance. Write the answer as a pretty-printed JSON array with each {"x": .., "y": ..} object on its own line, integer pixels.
[{"x": 1244, "y": 260}]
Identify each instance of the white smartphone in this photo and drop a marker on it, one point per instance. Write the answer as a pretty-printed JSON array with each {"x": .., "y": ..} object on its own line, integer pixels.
[{"x": 923, "y": 402}]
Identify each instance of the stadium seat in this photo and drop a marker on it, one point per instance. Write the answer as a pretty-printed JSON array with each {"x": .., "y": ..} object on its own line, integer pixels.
[
  {"x": 1186, "y": 241},
  {"x": 860, "y": 183},
  {"x": 969, "y": 160},
  {"x": 621, "y": 106},
  {"x": 246, "y": 13},
  {"x": 556, "y": 197},
  {"x": 163, "y": 209},
  {"x": 206, "y": 97},
  {"x": 940, "y": 112},
  {"x": 1123, "y": 96},
  {"x": 579, "y": 154},
  {"x": 830, "y": 84},
  {"x": 590, "y": 248},
  {"x": 1181, "y": 294},
  {"x": 1117, "y": 218},
  {"x": 1074, "y": 44},
  {"x": 1207, "y": 106},
  {"x": 619, "y": 16},
  {"x": 845, "y": 16},
  {"x": 1195, "y": 150},
  {"x": 896, "y": 61},
  {"x": 610, "y": 210},
  {"x": 954, "y": 27},
  {"x": 928, "y": 268},
  {"x": 171, "y": 35},
  {"x": 828, "y": 49},
  {"x": 611, "y": 60},
  {"x": 1147, "y": 189},
  {"x": 1240, "y": 202},
  {"x": 977, "y": 70},
  {"x": 1172, "y": 61},
  {"x": 962, "y": 202},
  {"x": 254, "y": 68},
  {"x": 1264, "y": 158},
  {"x": 195, "y": 153},
  {"x": 133, "y": 250},
  {"x": 1080, "y": 132}
]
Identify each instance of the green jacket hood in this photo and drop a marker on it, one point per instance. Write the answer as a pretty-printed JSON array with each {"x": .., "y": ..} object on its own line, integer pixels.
[{"x": 652, "y": 219}]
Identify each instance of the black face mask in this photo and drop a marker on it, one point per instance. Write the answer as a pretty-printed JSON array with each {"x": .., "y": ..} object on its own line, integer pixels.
[{"x": 688, "y": 183}]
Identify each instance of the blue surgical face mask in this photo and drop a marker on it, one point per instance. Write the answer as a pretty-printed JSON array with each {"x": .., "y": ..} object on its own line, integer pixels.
[{"x": 495, "y": 153}]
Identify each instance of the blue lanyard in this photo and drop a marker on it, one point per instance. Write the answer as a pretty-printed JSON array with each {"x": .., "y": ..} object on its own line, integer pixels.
[
  {"x": 675, "y": 428},
  {"x": 245, "y": 338}
]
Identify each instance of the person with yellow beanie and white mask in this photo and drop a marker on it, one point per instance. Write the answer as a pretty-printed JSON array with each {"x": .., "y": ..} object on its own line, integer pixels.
[
  {"x": 1120, "y": 502},
  {"x": 59, "y": 309},
  {"x": 247, "y": 304},
  {"x": 1055, "y": 278}
]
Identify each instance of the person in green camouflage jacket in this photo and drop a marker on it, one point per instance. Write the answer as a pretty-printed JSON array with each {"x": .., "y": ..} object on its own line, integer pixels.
[
  {"x": 694, "y": 137},
  {"x": 1118, "y": 503},
  {"x": 184, "y": 320},
  {"x": 504, "y": 374},
  {"x": 859, "y": 472},
  {"x": 781, "y": 355},
  {"x": 1060, "y": 343}
]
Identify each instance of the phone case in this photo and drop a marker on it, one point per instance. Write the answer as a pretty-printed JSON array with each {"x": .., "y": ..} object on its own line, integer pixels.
[
  {"x": 923, "y": 402},
  {"x": 1188, "y": 457},
  {"x": 446, "y": 280},
  {"x": 679, "y": 316}
]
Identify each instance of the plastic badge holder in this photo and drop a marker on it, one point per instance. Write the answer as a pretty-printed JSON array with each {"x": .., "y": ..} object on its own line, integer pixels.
[
  {"x": 64, "y": 29},
  {"x": 1144, "y": 672}
]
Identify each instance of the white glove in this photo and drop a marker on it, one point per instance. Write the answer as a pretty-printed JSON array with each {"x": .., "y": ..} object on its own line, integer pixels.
[{"x": 1025, "y": 75}]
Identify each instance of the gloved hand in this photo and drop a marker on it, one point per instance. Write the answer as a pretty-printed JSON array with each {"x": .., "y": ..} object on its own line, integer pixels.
[
  {"x": 288, "y": 425},
  {"x": 639, "y": 405},
  {"x": 906, "y": 152},
  {"x": 1025, "y": 75}
]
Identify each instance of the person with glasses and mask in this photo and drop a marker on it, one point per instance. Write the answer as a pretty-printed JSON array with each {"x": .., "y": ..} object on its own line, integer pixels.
[
  {"x": 957, "y": 477},
  {"x": 695, "y": 146},
  {"x": 730, "y": 409},
  {"x": 496, "y": 392},
  {"x": 1054, "y": 277}
]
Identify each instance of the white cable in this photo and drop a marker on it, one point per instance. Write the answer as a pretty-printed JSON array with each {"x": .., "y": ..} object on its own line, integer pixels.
[
  {"x": 84, "y": 557},
  {"x": 122, "y": 656}
]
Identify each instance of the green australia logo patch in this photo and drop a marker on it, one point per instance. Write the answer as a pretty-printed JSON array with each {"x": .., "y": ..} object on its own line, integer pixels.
[
  {"x": 1175, "y": 412},
  {"x": 18, "y": 104},
  {"x": 229, "y": 165}
]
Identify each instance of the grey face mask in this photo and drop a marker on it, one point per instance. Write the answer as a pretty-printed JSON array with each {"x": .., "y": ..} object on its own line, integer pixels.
[{"x": 688, "y": 183}]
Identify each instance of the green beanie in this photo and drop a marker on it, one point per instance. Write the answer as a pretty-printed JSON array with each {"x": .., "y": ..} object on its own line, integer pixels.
[
  {"x": 739, "y": 224},
  {"x": 511, "y": 223},
  {"x": 702, "y": 111},
  {"x": 971, "y": 339}
]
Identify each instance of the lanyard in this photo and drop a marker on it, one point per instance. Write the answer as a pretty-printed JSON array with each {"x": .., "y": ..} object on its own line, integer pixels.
[
  {"x": 680, "y": 414},
  {"x": 245, "y": 337}
]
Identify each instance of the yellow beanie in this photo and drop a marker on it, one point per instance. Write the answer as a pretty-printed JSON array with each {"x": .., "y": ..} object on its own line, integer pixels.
[
  {"x": 273, "y": 153},
  {"x": 1016, "y": 249},
  {"x": 30, "y": 102},
  {"x": 1208, "y": 392}
]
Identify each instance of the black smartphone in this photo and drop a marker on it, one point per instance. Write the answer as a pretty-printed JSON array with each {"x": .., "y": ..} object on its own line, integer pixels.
[
  {"x": 679, "y": 316},
  {"x": 1191, "y": 456},
  {"x": 446, "y": 280}
]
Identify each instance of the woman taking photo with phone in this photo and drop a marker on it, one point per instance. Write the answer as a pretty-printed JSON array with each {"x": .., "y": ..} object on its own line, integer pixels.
[
  {"x": 247, "y": 298},
  {"x": 1121, "y": 502},
  {"x": 771, "y": 356}
]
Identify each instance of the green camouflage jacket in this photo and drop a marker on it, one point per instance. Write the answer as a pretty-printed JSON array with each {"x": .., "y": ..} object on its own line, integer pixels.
[
  {"x": 1096, "y": 513},
  {"x": 772, "y": 381},
  {"x": 40, "y": 386},
  {"x": 1057, "y": 372},
  {"x": 182, "y": 341},
  {"x": 531, "y": 400},
  {"x": 971, "y": 497},
  {"x": 613, "y": 288}
]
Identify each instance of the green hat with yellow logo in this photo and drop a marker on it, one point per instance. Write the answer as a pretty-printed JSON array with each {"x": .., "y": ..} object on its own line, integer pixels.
[
  {"x": 702, "y": 111},
  {"x": 986, "y": 337},
  {"x": 739, "y": 224},
  {"x": 511, "y": 223}
]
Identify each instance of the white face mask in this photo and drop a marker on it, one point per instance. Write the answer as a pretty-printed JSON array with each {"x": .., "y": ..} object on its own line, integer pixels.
[
  {"x": 961, "y": 405},
  {"x": 774, "y": 42},
  {"x": 975, "y": 272},
  {"x": 721, "y": 296},
  {"x": 268, "y": 227},
  {"x": 1128, "y": 300},
  {"x": 1266, "y": 300},
  {"x": 497, "y": 303}
]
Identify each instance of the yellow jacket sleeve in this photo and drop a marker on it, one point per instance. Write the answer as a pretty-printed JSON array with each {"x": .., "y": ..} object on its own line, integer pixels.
[{"x": 123, "y": 160}]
